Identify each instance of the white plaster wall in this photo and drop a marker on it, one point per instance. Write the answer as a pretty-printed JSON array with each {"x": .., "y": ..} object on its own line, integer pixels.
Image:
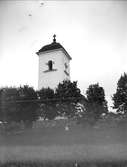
[{"x": 53, "y": 78}]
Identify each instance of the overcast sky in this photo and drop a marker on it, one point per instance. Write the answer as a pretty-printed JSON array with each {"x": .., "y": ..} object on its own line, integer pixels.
[{"x": 94, "y": 33}]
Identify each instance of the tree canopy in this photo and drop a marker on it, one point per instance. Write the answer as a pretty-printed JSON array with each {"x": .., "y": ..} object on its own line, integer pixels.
[
  {"x": 120, "y": 97},
  {"x": 9, "y": 107},
  {"x": 67, "y": 89},
  {"x": 96, "y": 103},
  {"x": 69, "y": 95},
  {"x": 47, "y": 104},
  {"x": 28, "y": 104},
  {"x": 18, "y": 104}
]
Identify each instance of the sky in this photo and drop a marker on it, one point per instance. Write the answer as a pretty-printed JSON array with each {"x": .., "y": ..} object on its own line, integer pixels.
[{"x": 94, "y": 33}]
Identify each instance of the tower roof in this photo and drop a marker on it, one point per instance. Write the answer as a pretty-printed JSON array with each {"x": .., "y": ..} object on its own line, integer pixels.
[{"x": 53, "y": 46}]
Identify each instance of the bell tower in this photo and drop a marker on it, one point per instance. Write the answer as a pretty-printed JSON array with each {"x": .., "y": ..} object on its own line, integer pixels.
[{"x": 54, "y": 65}]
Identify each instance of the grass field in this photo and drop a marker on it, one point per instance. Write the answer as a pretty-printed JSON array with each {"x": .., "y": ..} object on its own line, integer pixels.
[
  {"x": 63, "y": 164},
  {"x": 54, "y": 144}
]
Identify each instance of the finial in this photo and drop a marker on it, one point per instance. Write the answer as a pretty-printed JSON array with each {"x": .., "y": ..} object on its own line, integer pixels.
[{"x": 54, "y": 38}]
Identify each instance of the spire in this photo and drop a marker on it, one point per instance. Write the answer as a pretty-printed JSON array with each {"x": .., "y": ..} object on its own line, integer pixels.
[{"x": 54, "y": 38}]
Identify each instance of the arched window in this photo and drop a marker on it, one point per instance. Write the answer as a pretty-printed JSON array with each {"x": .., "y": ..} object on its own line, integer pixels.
[{"x": 50, "y": 65}]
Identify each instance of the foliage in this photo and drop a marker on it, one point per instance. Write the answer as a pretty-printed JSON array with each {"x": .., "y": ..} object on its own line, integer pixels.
[
  {"x": 16, "y": 104},
  {"x": 95, "y": 103},
  {"x": 22, "y": 103},
  {"x": 69, "y": 95},
  {"x": 61, "y": 102},
  {"x": 1, "y": 105},
  {"x": 49, "y": 110},
  {"x": 95, "y": 94},
  {"x": 9, "y": 106},
  {"x": 66, "y": 109},
  {"x": 48, "y": 103},
  {"x": 46, "y": 93},
  {"x": 28, "y": 104},
  {"x": 120, "y": 97},
  {"x": 68, "y": 89}
]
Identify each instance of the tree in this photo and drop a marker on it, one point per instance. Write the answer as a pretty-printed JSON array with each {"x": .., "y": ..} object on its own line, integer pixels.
[
  {"x": 28, "y": 105},
  {"x": 1, "y": 105},
  {"x": 46, "y": 93},
  {"x": 69, "y": 95},
  {"x": 48, "y": 104},
  {"x": 120, "y": 97},
  {"x": 68, "y": 89},
  {"x": 96, "y": 104},
  {"x": 9, "y": 108}
]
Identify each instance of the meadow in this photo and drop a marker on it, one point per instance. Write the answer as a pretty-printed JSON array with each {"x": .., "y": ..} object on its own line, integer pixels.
[{"x": 49, "y": 144}]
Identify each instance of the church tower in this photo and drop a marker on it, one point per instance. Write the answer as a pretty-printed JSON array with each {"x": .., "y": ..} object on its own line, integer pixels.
[{"x": 54, "y": 65}]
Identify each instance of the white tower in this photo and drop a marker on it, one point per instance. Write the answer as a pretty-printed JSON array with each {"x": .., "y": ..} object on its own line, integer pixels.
[{"x": 54, "y": 65}]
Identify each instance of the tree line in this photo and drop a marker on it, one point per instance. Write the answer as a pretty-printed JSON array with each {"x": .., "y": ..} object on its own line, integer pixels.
[{"x": 28, "y": 105}]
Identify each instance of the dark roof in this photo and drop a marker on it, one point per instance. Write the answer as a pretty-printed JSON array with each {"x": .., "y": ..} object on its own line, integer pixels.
[{"x": 52, "y": 46}]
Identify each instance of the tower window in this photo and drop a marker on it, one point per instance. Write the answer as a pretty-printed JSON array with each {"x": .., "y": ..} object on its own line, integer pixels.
[
  {"x": 66, "y": 69},
  {"x": 50, "y": 65}
]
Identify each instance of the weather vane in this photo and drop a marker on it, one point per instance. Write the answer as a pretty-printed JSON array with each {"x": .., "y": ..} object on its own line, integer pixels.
[{"x": 54, "y": 38}]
